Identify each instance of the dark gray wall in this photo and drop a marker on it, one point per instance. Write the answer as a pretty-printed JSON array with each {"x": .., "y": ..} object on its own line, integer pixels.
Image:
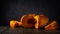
[{"x": 14, "y": 9}]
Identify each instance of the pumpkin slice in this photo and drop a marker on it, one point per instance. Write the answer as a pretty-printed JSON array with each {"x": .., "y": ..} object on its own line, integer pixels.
[
  {"x": 43, "y": 20},
  {"x": 52, "y": 26},
  {"x": 14, "y": 23},
  {"x": 28, "y": 20}
]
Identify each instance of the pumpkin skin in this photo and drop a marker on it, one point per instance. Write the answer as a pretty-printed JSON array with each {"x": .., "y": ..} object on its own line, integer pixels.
[
  {"x": 38, "y": 21},
  {"x": 43, "y": 20},
  {"x": 52, "y": 26},
  {"x": 14, "y": 23},
  {"x": 28, "y": 20}
]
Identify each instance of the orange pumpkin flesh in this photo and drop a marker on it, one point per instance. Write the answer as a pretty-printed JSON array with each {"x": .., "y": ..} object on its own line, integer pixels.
[
  {"x": 28, "y": 20},
  {"x": 14, "y": 23},
  {"x": 43, "y": 20},
  {"x": 52, "y": 26},
  {"x": 38, "y": 21}
]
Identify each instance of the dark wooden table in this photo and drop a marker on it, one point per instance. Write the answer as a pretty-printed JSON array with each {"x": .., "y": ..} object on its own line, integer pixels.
[{"x": 6, "y": 30}]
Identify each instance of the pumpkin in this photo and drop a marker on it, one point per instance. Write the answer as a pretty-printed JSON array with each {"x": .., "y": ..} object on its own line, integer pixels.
[
  {"x": 14, "y": 23},
  {"x": 28, "y": 20},
  {"x": 52, "y": 26},
  {"x": 43, "y": 20}
]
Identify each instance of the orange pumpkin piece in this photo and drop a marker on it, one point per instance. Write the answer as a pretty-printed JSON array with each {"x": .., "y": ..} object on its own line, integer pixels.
[
  {"x": 28, "y": 20},
  {"x": 52, "y": 26},
  {"x": 14, "y": 23},
  {"x": 43, "y": 20}
]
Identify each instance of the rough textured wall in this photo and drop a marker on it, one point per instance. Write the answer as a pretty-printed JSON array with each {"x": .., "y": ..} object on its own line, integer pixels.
[{"x": 14, "y": 9}]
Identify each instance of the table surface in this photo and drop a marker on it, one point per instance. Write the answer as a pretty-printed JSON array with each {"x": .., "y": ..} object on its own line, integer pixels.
[{"x": 7, "y": 30}]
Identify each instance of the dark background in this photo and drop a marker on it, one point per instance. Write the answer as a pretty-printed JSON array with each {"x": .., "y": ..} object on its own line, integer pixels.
[{"x": 14, "y": 9}]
